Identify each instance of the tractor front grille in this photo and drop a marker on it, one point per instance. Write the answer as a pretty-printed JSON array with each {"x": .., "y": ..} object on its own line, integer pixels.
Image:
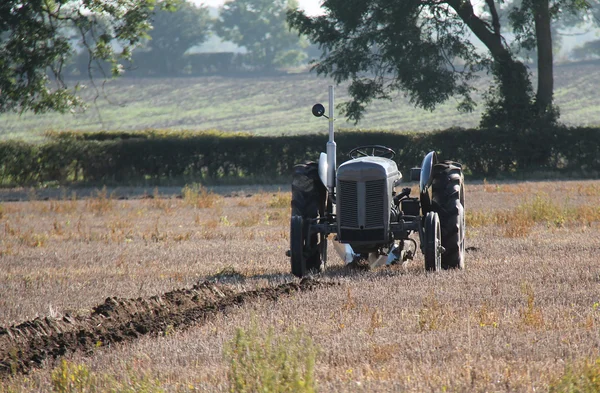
[
  {"x": 362, "y": 235},
  {"x": 375, "y": 192},
  {"x": 348, "y": 203}
]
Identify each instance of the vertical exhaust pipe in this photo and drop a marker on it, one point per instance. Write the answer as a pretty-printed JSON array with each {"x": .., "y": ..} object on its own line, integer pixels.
[{"x": 331, "y": 146}]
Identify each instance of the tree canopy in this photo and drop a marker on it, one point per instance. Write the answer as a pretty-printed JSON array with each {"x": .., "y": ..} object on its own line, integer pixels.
[
  {"x": 36, "y": 41},
  {"x": 422, "y": 48},
  {"x": 260, "y": 26},
  {"x": 174, "y": 32}
]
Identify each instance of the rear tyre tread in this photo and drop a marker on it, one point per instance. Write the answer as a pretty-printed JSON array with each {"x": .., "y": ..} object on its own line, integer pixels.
[
  {"x": 308, "y": 202},
  {"x": 448, "y": 200}
]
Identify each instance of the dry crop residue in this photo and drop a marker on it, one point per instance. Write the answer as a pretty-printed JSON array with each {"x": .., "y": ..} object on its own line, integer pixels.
[{"x": 27, "y": 345}]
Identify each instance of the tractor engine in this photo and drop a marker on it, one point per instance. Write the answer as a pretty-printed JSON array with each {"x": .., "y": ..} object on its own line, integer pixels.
[{"x": 364, "y": 201}]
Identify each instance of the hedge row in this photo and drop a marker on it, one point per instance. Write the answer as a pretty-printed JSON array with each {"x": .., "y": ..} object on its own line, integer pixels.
[{"x": 209, "y": 156}]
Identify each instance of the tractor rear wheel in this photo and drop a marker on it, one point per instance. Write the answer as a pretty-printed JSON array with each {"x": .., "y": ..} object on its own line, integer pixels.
[
  {"x": 308, "y": 202},
  {"x": 297, "y": 247},
  {"x": 448, "y": 200}
]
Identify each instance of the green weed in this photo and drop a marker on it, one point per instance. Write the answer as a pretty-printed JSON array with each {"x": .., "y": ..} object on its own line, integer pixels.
[
  {"x": 249, "y": 220},
  {"x": 531, "y": 315},
  {"x": 584, "y": 379},
  {"x": 519, "y": 221},
  {"x": 430, "y": 314},
  {"x": 280, "y": 200},
  {"x": 77, "y": 378},
  {"x": 101, "y": 202},
  {"x": 263, "y": 362},
  {"x": 198, "y": 196}
]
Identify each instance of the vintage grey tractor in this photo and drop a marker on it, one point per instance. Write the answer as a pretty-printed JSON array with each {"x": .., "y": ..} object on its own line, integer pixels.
[{"x": 370, "y": 216}]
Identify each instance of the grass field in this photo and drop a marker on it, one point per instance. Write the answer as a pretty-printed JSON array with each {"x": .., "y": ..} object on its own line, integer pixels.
[
  {"x": 521, "y": 316},
  {"x": 274, "y": 106}
]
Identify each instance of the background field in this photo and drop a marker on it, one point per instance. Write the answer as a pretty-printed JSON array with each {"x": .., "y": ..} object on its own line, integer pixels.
[
  {"x": 275, "y": 105},
  {"x": 526, "y": 308}
]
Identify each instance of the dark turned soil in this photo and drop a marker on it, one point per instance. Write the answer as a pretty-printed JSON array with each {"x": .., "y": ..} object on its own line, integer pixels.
[{"x": 29, "y": 344}]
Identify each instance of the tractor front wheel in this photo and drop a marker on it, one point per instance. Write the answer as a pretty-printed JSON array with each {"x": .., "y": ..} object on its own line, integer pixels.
[{"x": 433, "y": 242}]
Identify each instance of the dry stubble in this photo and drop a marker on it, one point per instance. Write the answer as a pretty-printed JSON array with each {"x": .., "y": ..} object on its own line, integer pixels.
[{"x": 524, "y": 309}]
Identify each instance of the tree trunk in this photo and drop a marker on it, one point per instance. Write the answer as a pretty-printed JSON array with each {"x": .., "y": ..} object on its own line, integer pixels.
[
  {"x": 514, "y": 84},
  {"x": 491, "y": 39},
  {"x": 543, "y": 35}
]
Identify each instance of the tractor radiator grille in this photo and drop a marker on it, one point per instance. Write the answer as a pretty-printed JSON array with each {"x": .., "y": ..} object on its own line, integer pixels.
[
  {"x": 375, "y": 192},
  {"x": 348, "y": 204},
  {"x": 363, "y": 235}
]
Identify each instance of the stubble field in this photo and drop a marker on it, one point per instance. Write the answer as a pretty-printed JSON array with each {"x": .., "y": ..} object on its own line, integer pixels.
[{"x": 524, "y": 312}]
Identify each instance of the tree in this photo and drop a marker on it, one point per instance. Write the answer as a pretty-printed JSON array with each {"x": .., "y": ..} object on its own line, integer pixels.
[
  {"x": 36, "y": 42},
  {"x": 260, "y": 26},
  {"x": 589, "y": 50},
  {"x": 173, "y": 33},
  {"x": 421, "y": 47},
  {"x": 587, "y": 21}
]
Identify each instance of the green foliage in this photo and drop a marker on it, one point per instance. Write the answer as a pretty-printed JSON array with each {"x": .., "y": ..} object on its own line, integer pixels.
[
  {"x": 77, "y": 378},
  {"x": 385, "y": 46},
  {"x": 589, "y": 50},
  {"x": 263, "y": 362},
  {"x": 73, "y": 378},
  {"x": 424, "y": 50},
  {"x": 510, "y": 101},
  {"x": 260, "y": 26},
  {"x": 565, "y": 13},
  {"x": 36, "y": 37},
  {"x": 153, "y": 156},
  {"x": 585, "y": 379},
  {"x": 198, "y": 196},
  {"x": 173, "y": 33}
]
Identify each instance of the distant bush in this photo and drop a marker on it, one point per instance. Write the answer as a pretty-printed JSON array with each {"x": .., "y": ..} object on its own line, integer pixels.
[
  {"x": 213, "y": 63},
  {"x": 153, "y": 156},
  {"x": 589, "y": 50}
]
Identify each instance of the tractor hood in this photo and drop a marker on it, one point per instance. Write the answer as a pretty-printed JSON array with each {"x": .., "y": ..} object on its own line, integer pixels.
[{"x": 368, "y": 168}]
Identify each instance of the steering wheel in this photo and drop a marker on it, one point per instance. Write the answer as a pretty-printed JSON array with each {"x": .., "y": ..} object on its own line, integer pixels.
[{"x": 372, "y": 151}]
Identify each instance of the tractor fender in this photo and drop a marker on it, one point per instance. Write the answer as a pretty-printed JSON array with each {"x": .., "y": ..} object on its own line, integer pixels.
[
  {"x": 323, "y": 167},
  {"x": 426, "y": 178}
]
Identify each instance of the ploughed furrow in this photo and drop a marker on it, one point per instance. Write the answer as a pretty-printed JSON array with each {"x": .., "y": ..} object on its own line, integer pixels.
[{"x": 27, "y": 345}]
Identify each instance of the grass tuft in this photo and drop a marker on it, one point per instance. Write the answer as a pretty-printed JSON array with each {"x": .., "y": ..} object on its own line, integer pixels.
[
  {"x": 585, "y": 379},
  {"x": 531, "y": 314},
  {"x": 280, "y": 200},
  {"x": 263, "y": 362},
  {"x": 198, "y": 196},
  {"x": 70, "y": 377},
  {"x": 519, "y": 221},
  {"x": 101, "y": 202},
  {"x": 77, "y": 378},
  {"x": 486, "y": 316},
  {"x": 250, "y": 220},
  {"x": 429, "y": 316}
]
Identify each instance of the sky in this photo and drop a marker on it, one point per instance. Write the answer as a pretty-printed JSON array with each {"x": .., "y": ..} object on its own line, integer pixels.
[{"x": 311, "y": 7}]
